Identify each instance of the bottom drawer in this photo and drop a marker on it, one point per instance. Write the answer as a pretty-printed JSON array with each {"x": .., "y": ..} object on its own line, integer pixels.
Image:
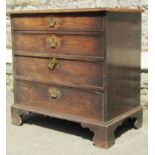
[{"x": 64, "y": 100}]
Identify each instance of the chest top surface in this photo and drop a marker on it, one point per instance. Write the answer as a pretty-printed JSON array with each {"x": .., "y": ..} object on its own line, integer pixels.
[{"x": 77, "y": 10}]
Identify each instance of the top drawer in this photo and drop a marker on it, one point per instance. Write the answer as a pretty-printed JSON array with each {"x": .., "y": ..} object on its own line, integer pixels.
[{"x": 58, "y": 22}]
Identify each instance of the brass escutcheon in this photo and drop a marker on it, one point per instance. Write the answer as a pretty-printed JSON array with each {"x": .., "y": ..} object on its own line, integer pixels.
[
  {"x": 53, "y": 42},
  {"x": 52, "y": 63},
  {"x": 51, "y": 21},
  {"x": 54, "y": 92}
]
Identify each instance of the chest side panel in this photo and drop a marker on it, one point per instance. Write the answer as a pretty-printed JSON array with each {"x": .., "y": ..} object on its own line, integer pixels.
[{"x": 123, "y": 51}]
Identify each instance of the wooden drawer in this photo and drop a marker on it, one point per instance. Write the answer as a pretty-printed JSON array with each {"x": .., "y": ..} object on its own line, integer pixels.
[
  {"x": 52, "y": 98},
  {"x": 58, "y": 22},
  {"x": 90, "y": 45},
  {"x": 63, "y": 71}
]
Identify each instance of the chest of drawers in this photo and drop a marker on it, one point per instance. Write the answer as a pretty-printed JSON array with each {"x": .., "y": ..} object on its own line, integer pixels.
[{"x": 81, "y": 65}]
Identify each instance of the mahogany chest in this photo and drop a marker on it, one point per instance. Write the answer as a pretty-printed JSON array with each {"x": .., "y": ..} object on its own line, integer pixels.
[{"x": 81, "y": 65}]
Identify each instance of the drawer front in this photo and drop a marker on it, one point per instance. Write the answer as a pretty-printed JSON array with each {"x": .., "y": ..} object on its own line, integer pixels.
[
  {"x": 59, "y": 44},
  {"x": 52, "y": 98},
  {"x": 59, "y": 70},
  {"x": 55, "y": 22}
]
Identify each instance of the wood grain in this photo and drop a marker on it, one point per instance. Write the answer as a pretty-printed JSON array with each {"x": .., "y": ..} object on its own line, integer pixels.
[
  {"x": 59, "y": 56},
  {"x": 86, "y": 45},
  {"x": 74, "y": 21},
  {"x": 66, "y": 71},
  {"x": 123, "y": 45},
  {"x": 81, "y": 10},
  {"x": 71, "y": 101}
]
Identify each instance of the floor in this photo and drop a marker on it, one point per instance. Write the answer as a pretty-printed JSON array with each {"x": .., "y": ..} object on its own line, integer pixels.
[{"x": 41, "y": 135}]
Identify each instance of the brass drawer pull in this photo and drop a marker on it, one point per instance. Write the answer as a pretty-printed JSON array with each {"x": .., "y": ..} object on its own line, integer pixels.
[
  {"x": 53, "y": 42},
  {"x": 54, "y": 92},
  {"x": 52, "y": 22},
  {"x": 52, "y": 63}
]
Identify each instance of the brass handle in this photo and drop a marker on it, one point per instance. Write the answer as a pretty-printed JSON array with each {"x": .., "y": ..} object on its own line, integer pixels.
[
  {"x": 54, "y": 92},
  {"x": 52, "y": 22},
  {"x": 53, "y": 42},
  {"x": 52, "y": 63}
]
